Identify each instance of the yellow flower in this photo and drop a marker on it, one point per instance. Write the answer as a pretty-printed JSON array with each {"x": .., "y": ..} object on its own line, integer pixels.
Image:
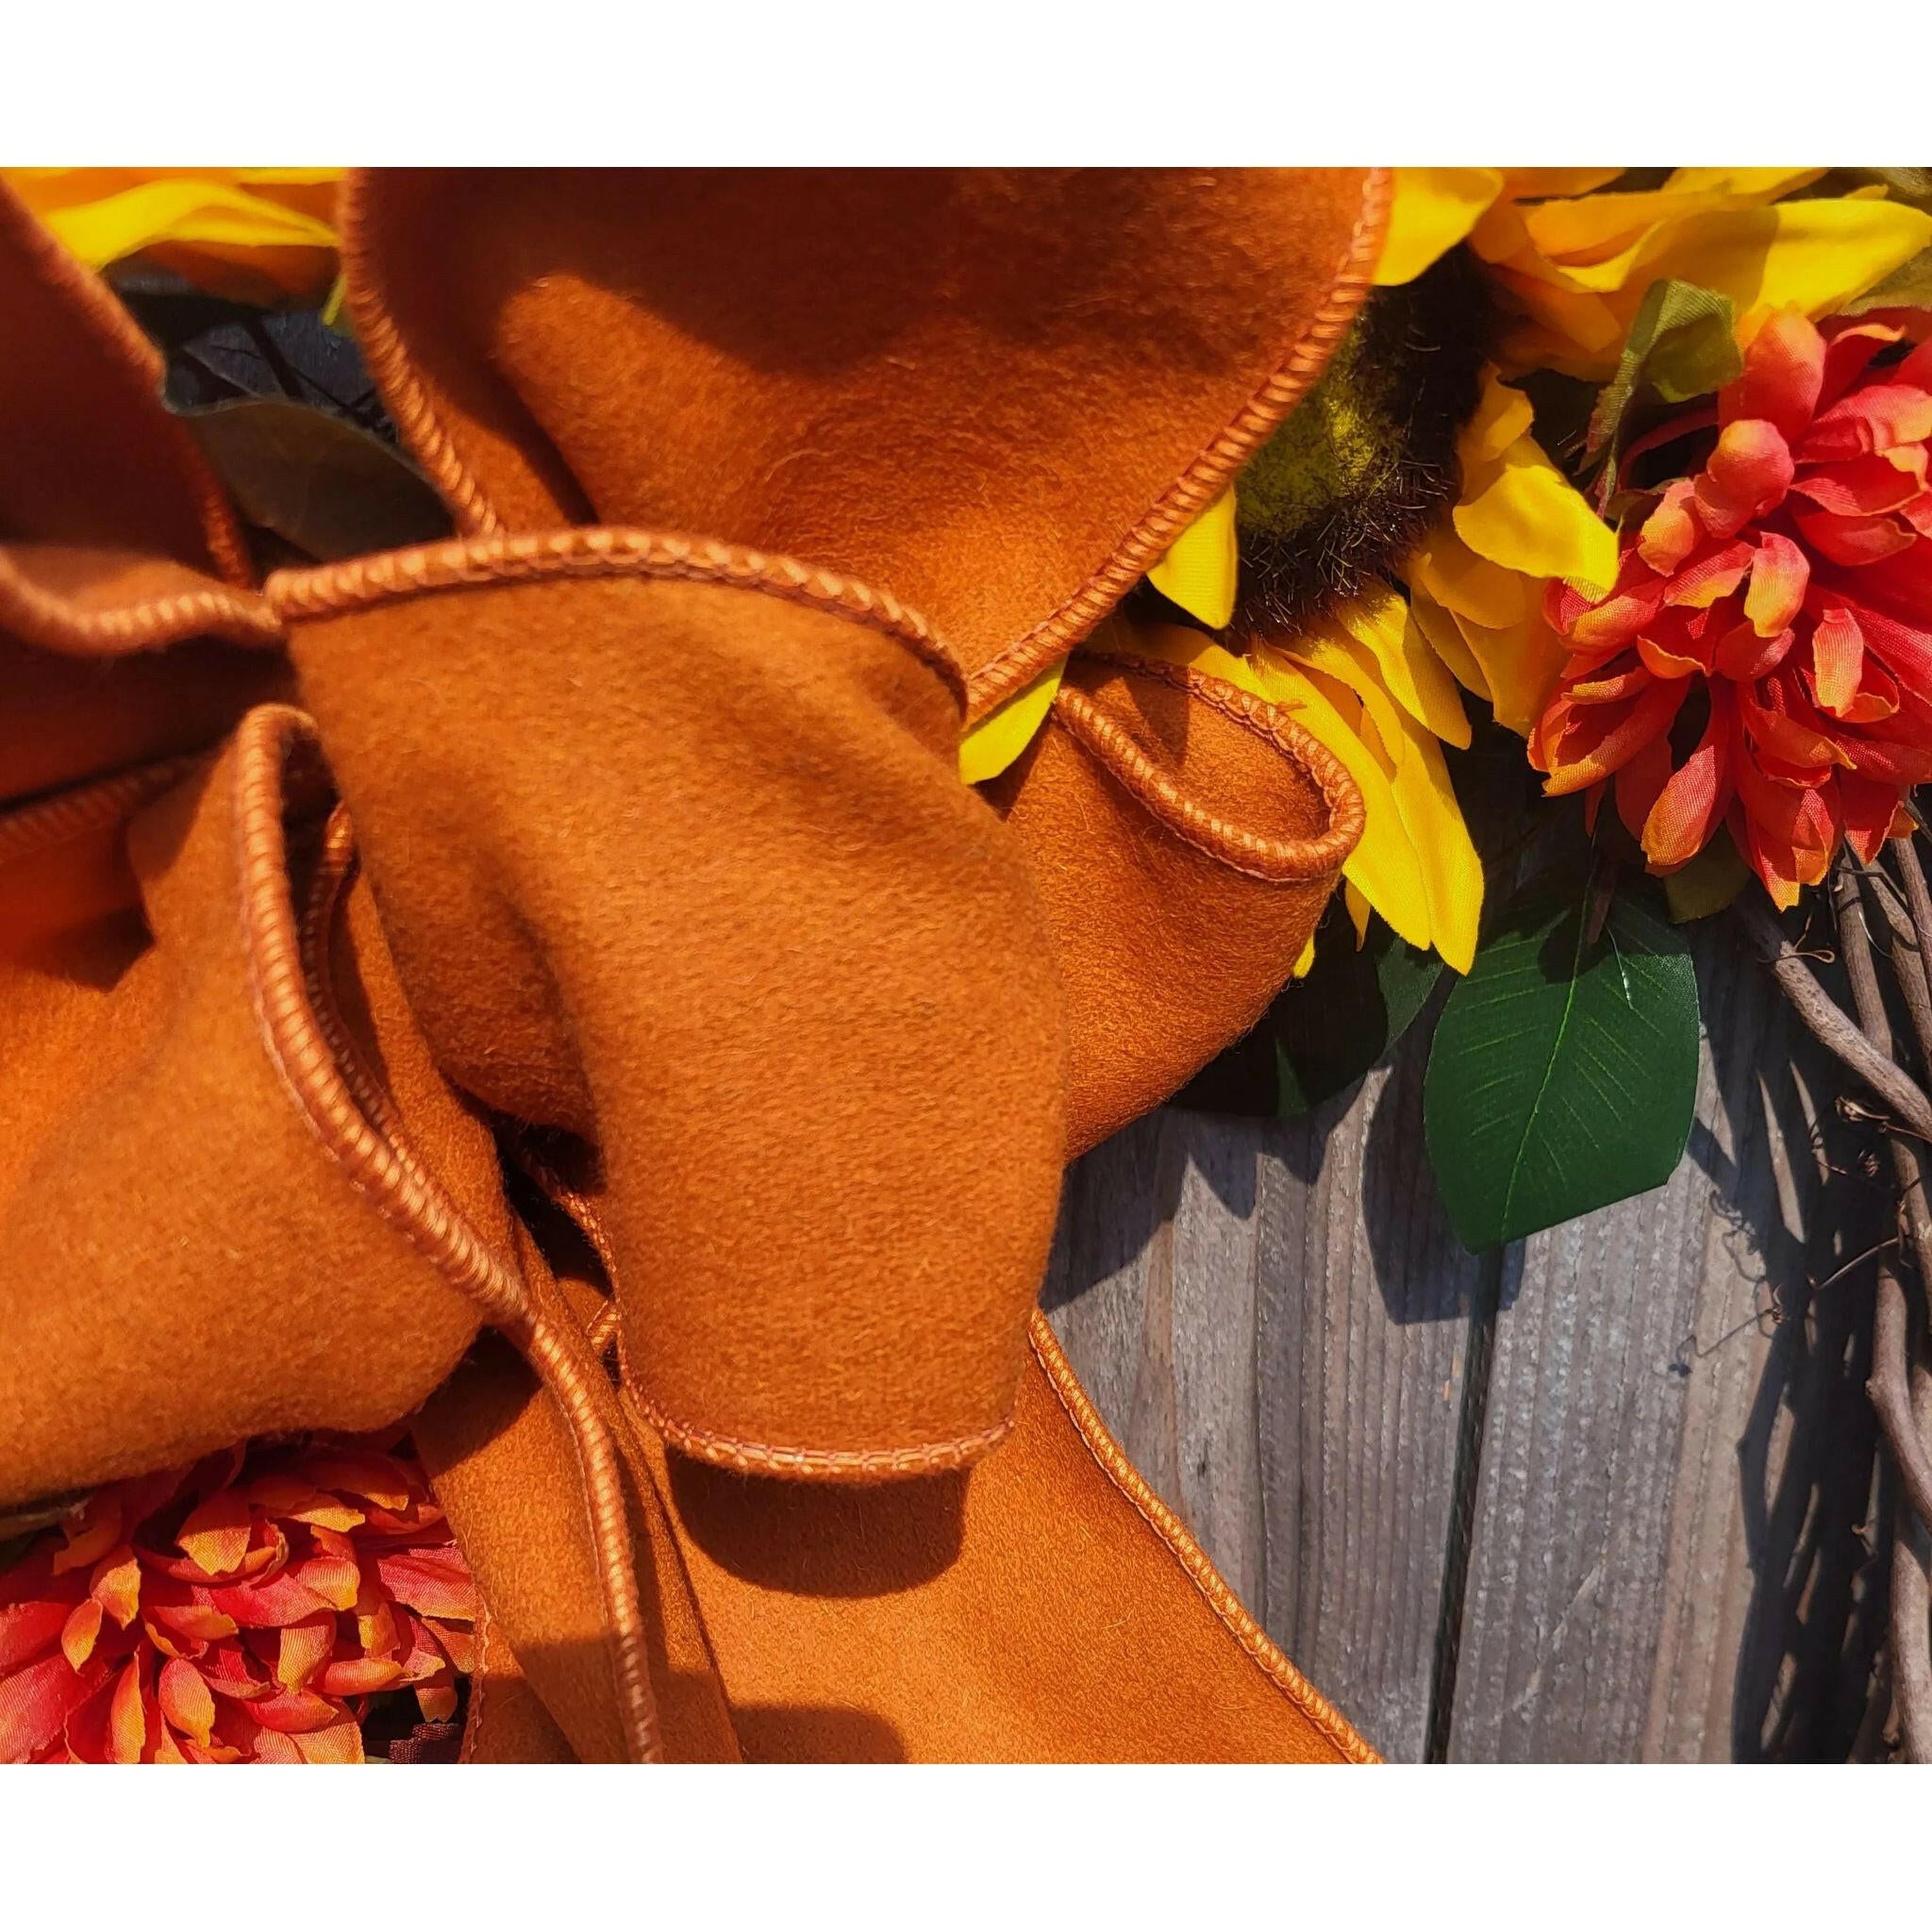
[
  {"x": 1476, "y": 580},
  {"x": 257, "y": 234},
  {"x": 1366, "y": 683},
  {"x": 1576, "y": 262},
  {"x": 1376, "y": 683}
]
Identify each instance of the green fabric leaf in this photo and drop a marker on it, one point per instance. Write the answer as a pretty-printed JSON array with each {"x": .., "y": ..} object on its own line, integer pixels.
[
  {"x": 1682, "y": 344},
  {"x": 1332, "y": 1027},
  {"x": 322, "y": 486},
  {"x": 1564, "y": 1069}
]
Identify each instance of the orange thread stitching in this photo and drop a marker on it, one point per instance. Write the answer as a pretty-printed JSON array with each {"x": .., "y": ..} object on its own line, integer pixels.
[
  {"x": 1204, "y": 478},
  {"x": 1279, "y": 861},
  {"x": 99, "y": 802},
  {"x": 472, "y": 1723},
  {"x": 41, "y": 617},
  {"x": 755, "y": 1459},
  {"x": 1193, "y": 1558},
  {"x": 601, "y": 551},
  {"x": 384, "y": 1171},
  {"x": 1019, "y": 662},
  {"x": 401, "y": 388}
]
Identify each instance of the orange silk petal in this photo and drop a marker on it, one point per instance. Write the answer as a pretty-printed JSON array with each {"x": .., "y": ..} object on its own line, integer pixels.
[
  {"x": 437, "y": 1581},
  {"x": 1779, "y": 576},
  {"x": 336, "y": 1580},
  {"x": 1838, "y": 659},
  {"x": 1602, "y": 752},
  {"x": 1784, "y": 372},
  {"x": 127, "y": 1718},
  {"x": 438, "y": 1702},
  {"x": 216, "y": 1535},
  {"x": 374, "y": 1477},
  {"x": 79, "y": 1632},
  {"x": 339, "y": 1743},
  {"x": 1639, "y": 783},
  {"x": 116, "y": 1585},
  {"x": 1693, "y": 805},
  {"x": 96, "y": 1532},
  {"x": 305, "y": 1649},
  {"x": 187, "y": 1701}
]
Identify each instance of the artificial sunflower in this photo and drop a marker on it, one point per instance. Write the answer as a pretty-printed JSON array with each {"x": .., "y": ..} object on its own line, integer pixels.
[
  {"x": 1374, "y": 673},
  {"x": 253, "y": 234}
]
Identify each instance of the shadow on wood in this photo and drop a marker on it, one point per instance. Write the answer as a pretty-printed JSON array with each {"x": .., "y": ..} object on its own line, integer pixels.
[{"x": 1657, "y": 1485}]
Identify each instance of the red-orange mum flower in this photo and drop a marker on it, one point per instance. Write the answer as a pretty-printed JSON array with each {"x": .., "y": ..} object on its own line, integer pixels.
[
  {"x": 245, "y": 1609},
  {"x": 1765, "y": 657}
]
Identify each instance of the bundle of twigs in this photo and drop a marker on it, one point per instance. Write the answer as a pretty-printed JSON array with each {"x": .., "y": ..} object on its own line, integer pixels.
[{"x": 1896, "y": 948}]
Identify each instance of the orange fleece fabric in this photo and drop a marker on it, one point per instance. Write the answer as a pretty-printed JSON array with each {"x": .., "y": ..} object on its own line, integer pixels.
[
  {"x": 120, "y": 561},
  {"x": 1040, "y": 1608},
  {"x": 780, "y": 895},
  {"x": 678, "y": 862},
  {"x": 1185, "y": 837},
  {"x": 182, "y": 1263},
  {"x": 999, "y": 393}
]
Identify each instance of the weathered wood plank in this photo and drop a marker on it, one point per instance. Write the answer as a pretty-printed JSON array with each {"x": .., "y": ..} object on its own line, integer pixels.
[
  {"x": 1272, "y": 1319},
  {"x": 1365, "y": 1305},
  {"x": 1665, "y": 1558},
  {"x": 1647, "y": 1560}
]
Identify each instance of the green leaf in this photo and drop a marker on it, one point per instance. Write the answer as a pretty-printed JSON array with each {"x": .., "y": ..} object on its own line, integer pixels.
[
  {"x": 1564, "y": 1070},
  {"x": 322, "y": 486},
  {"x": 1681, "y": 344},
  {"x": 1332, "y": 1027}
]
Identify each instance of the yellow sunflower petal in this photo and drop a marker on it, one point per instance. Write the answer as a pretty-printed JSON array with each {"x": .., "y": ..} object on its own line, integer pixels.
[
  {"x": 1384, "y": 866},
  {"x": 212, "y": 229},
  {"x": 1331, "y": 652},
  {"x": 1818, "y": 253},
  {"x": 1452, "y": 872},
  {"x": 1003, "y": 734},
  {"x": 1459, "y": 580},
  {"x": 1304, "y": 964},
  {"x": 1572, "y": 333},
  {"x": 1520, "y": 663},
  {"x": 1762, "y": 184},
  {"x": 1198, "y": 571},
  {"x": 1432, "y": 210},
  {"x": 1503, "y": 415},
  {"x": 1358, "y": 911},
  {"x": 1174, "y": 644},
  {"x": 1442, "y": 634},
  {"x": 1378, "y": 622},
  {"x": 1528, "y": 517},
  {"x": 1535, "y": 184}
]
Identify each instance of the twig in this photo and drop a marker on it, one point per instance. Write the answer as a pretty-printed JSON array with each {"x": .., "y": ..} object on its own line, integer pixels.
[
  {"x": 1855, "y": 940},
  {"x": 1869, "y": 1743},
  {"x": 1900, "y": 1388},
  {"x": 1820, "y": 1014},
  {"x": 1839, "y": 1273},
  {"x": 1889, "y": 903},
  {"x": 1891, "y": 1390},
  {"x": 1918, "y": 898},
  {"x": 1911, "y": 1570}
]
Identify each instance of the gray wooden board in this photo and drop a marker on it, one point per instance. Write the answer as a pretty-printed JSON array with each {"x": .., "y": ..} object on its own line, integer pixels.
[
  {"x": 1662, "y": 1565},
  {"x": 1276, "y": 1322},
  {"x": 1272, "y": 1318}
]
